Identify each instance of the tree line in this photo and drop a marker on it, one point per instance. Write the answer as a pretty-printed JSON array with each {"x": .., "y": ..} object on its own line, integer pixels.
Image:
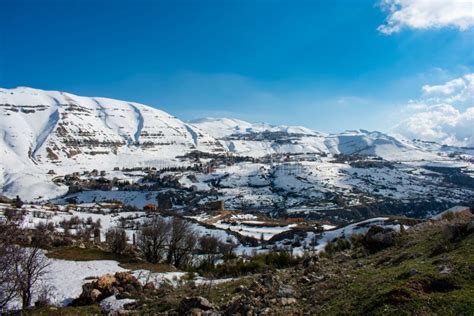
[{"x": 172, "y": 241}]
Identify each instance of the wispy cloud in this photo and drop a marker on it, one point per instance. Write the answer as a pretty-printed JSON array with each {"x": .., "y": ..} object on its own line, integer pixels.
[
  {"x": 427, "y": 14},
  {"x": 454, "y": 91},
  {"x": 350, "y": 100}
]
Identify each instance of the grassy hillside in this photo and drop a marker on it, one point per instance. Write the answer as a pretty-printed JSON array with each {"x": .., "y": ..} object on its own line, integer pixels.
[
  {"x": 429, "y": 270},
  {"x": 426, "y": 270}
]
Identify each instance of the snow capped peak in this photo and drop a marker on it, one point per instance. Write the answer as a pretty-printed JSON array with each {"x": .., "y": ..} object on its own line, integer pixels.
[
  {"x": 223, "y": 127},
  {"x": 57, "y": 132},
  {"x": 52, "y": 130}
]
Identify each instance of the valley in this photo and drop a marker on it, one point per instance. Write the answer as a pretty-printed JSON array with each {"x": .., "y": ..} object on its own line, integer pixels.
[{"x": 236, "y": 197}]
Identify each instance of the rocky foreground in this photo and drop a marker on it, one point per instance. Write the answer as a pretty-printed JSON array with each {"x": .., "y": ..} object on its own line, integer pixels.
[{"x": 427, "y": 269}]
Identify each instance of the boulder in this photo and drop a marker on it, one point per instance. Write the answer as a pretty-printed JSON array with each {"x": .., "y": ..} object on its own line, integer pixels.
[
  {"x": 452, "y": 232},
  {"x": 269, "y": 280},
  {"x": 192, "y": 303},
  {"x": 150, "y": 286},
  {"x": 287, "y": 301},
  {"x": 106, "y": 282},
  {"x": 456, "y": 232},
  {"x": 305, "y": 280},
  {"x": 240, "y": 289},
  {"x": 257, "y": 290},
  {"x": 285, "y": 291},
  {"x": 114, "y": 306},
  {"x": 4, "y": 199},
  {"x": 95, "y": 294},
  {"x": 122, "y": 284},
  {"x": 378, "y": 238},
  {"x": 242, "y": 305}
]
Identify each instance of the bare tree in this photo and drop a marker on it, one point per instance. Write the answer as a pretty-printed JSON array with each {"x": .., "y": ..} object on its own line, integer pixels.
[
  {"x": 184, "y": 255},
  {"x": 209, "y": 246},
  {"x": 152, "y": 239},
  {"x": 227, "y": 248},
  {"x": 9, "y": 253},
  {"x": 214, "y": 248},
  {"x": 13, "y": 215},
  {"x": 117, "y": 239},
  {"x": 182, "y": 243},
  {"x": 20, "y": 268},
  {"x": 30, "y": 267}
]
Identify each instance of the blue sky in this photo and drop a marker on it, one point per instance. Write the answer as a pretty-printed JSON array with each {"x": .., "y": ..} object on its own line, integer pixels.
[{"x": 321, "y": 64}]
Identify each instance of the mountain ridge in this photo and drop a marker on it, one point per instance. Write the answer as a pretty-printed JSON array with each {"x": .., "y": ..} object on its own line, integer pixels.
[{"x": 44, "y": 133}]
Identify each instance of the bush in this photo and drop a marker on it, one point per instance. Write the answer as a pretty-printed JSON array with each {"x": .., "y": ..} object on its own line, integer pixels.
[
  {"x": 117, "y": 240},
  {"x": 14, "y": 215},
  {"x": 214, "y": 248},
  {"x": 449, "y": 216},
  {"x": 337, "y": 245},
  {"x": 258, "y": 263}
]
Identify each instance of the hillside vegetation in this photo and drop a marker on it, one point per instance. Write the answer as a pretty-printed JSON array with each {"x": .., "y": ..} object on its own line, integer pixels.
[{"x": 425, "y": 270}]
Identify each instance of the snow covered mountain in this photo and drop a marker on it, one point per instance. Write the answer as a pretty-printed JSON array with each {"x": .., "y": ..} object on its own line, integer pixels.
[
  {"x": 262, "y": 139},
  {"x": 50, "y": 130},
  {"x": 45, "y": 134},
  {"x": 222, "y": 127}
]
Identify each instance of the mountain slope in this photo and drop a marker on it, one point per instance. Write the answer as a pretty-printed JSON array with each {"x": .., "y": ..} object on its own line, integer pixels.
[
  {"x": 262, "y": 139},
  {"x": 222, "y": 127},
  {"x": 49, "y": 133},
  {"x": 43, "y": 130}
]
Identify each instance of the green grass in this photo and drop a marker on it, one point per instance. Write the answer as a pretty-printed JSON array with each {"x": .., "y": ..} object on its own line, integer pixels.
[
  {"x": 384, "y": 285},
  {"x": 65, "y": 311},
  {"x": 87, "y": 254},
  {"x": 404, "y": 279},
  {"x": 83, "y": 254}
]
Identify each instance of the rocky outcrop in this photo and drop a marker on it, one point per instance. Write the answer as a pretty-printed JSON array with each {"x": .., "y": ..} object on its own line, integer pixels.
[
  {"x": 121, "y": 284},
  {"x": 265, "y": 295},
  {"x": 378, "y": 238}
]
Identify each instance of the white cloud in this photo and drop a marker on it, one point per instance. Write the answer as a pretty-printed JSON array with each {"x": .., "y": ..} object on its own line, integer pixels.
[
  {"x": 350, "y": 100},
  {"x": 437, "y": 118},
  {"x": 447, "y": 88},
  {"x": 427, "y": 14},
  {"x": 454, "y": 91}
]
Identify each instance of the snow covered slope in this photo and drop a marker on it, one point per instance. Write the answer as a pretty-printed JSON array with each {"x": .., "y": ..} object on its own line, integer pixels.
[
  {"x": 44, "y": 130},
  {"x": 377, "y": 144},
  {"x": 44, "y": 134},
  {"x": 222, "y": 127},
  {"x": 262, "y": 139}
]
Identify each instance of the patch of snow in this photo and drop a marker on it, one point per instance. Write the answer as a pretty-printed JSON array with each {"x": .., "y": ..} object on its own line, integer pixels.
[{"x": 112, "y": 305}]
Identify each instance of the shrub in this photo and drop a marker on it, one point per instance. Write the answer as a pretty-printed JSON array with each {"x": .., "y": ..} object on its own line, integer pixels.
[
  {"x": 337, "y": 245},
  {"x": 258, "y": 263},
  {"x": 117, "y": 240},
  {"x": 449, "y": 216}
]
